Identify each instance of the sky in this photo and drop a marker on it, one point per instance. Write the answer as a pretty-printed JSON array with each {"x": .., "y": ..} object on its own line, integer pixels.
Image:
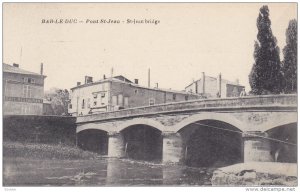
[{"x": 188, "y": 40}]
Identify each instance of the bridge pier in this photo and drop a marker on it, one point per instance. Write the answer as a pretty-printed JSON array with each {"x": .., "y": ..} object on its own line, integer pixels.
[
  {"x": 257, "y": 148},
  {"x": 115, "y": 145},
  {"x": 172, "y": 147}
]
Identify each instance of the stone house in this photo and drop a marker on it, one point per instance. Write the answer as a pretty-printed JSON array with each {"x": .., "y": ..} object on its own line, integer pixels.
[
  {"x": 211, "y": 87},
  {"x": 23, "y": 91},
  {"x": 115, "y": 93}
]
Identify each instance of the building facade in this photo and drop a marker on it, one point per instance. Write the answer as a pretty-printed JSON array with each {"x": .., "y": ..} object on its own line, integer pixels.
[
  {"x": 116, "y": 93},
  {"x": 211, "y": 87},
  {"x": 23, "y": 91}
]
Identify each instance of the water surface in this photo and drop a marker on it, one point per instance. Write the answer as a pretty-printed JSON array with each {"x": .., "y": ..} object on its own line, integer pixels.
[{"x": 100, "y": 172}]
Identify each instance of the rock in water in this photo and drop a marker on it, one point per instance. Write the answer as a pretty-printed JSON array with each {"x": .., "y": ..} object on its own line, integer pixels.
[{"x": 256, "y": 174}]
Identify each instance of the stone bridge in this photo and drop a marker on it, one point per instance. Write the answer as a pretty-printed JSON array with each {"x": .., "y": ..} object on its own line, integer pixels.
[{"x": 255, "y": 123}]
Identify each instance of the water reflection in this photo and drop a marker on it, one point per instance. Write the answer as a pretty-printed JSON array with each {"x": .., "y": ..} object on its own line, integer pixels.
[{"x": 101, "y": 172}]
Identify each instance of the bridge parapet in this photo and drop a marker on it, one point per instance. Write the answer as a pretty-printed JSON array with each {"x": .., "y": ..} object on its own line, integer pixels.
[{"x": 262, "y": 102}]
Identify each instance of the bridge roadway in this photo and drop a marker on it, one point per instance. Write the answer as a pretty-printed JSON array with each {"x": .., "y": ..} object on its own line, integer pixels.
[{"x": 254, "y": 116}]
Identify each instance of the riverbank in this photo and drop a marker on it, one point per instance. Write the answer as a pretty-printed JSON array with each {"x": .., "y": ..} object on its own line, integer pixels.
[
  {"x": 256, "y": 174},
  {"x": 45, "y": 151}
]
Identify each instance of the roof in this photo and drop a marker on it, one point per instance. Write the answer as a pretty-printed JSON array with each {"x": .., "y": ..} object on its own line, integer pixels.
[
  {"x": 223, "y": 81},
  {"x": 11, "y": 69},
  {"x": 97, "y": 82},
  {"x": 122, "y": 78},
  {"x": 114, "y": 79},
  {"x": 160, "y": 89}
]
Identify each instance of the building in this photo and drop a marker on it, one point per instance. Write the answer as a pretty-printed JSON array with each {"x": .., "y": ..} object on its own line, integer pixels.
[
  {"x": 211, "y": 87},
  {"x": 47, "y": 107},
  {"x": 23, "y": 91},
  {"x": 118, "y": 92}
]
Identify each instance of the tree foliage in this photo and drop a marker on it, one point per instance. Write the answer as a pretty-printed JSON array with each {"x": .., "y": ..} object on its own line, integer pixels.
[
  {"x": 59, "y": 100},
  {"x": 265, "y": 76},
  {"x": 290, "y": 58}
]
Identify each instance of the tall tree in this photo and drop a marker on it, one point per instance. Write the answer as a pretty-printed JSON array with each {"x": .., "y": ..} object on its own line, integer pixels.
[
  {"x": 290, "y": 58},
  {"x": 265, "y": 76}
]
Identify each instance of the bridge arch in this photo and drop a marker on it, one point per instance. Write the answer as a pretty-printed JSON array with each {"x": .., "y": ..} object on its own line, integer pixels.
[
  {"x": 278, "y": 123},
  {"x": 94, "y": 140},
  {"x": 141, "y": 121},
  {"x": 283, "y": 141},
  {"x": 142, "y": 139},
  {"x": 101, "y": 127},
  {"x": 211, "y": 140},
  {"x": 223, "y": 117}
]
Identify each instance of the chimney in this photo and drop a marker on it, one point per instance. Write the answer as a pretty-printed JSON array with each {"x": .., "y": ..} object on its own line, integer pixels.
[
  {"x": 149, "y": 77},
  {"x": 88, "y": 79},
  {"x": 219, "y": 84},
  {"x": 16, "y": 65},
  {"x": 156, "y": 85},
  {"x": 78, "y": 83},
  {"x": 104, "y": 77},
  {"x": 112, "y": 72},
  {"x": 203, "y": 82},
  {"x": 42, "y": 69},
  {"x": 136, "y": 81}
]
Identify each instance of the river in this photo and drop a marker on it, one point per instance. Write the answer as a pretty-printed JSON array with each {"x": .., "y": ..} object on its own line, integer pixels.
[{"x": 100, "y": 172}]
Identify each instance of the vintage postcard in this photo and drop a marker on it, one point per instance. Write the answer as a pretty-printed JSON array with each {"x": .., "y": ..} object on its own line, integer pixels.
[{"x": 150, "y": 94}]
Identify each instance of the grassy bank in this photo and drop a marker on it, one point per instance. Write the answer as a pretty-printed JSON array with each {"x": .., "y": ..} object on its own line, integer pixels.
[{"x": 45, "y": 151}]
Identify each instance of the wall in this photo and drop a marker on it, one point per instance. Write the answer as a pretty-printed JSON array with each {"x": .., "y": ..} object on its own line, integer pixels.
[
  {"x": 40, "y": 129},
  {"x": 90, "y": 94},
  {"x": 140, "y": 96},
  {"x": 47, "y": 109},
  {"x": 18, "y": 77},
  {"x": 192, "y": 87},
  {"x": 115, "y": 93},
  {"x": 211, "y": 88},
  {"x": 21, "y": 108},
  {"x": 18, "y": 101}
]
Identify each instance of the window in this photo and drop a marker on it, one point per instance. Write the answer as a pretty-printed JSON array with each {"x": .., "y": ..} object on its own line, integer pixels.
[
  {"x": 95, "y": 96},
  {"x": 27, "y": 91},
  {"x": 70, "y": 106},
  {"x": 126, "y": 101},
  {"x": 120, "y": 100},
  {"x": 174, "y": 97},
  {"x": 31, "y": 80},
  {"x": 95, "y": 103},
  {"x": 114, "y": 100},
  {"x": 83, "y": 104},
  {"x": 102, "y": 95},
  {"x": 135, "y": 91},
  {"x": 151, "y": 101},
  {"x": 186, "y": 97},
  {"x": 25, "y": 87},
  {"x": 88, "y": 103}
]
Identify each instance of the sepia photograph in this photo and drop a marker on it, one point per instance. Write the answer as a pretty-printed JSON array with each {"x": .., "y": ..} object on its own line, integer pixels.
[{"x": 150, "y": 95}]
